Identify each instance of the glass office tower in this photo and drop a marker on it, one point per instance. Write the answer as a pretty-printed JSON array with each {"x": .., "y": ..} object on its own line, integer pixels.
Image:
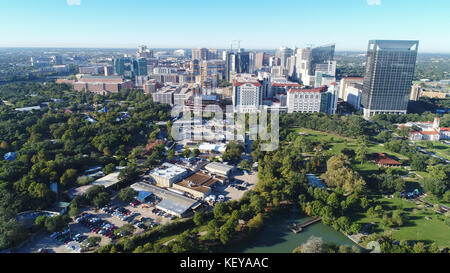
[
  {"x": 119, "y": 66},
  {"x": 389, "y": 73},
  {"x": 321, "y": 55}
]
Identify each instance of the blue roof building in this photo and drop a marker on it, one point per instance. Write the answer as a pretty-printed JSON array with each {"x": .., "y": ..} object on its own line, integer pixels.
[{"x": 10, "y": 156}]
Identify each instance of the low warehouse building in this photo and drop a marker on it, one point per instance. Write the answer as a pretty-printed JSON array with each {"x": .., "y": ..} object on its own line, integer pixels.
[
  {"x": 199, "y": 185},
  {"x": 108, "y": 181},
  {"x": 172, "y": 203},
  {"x": 220, "y": 169}
]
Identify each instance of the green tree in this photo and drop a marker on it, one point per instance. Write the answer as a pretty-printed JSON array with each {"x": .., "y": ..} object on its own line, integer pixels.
[
  {"x": 446, "y": 196},
  {"x": 434, "y": 248},
  {"x": 333, "y": 200},
  {"x": 129, "y": 174},
  {"x": 73, "y": 210},
  {"x": 419, "y": 248},
  {"x": 171, "y": 154},
  {"x": 40, "y": 221},
  {"x": 110, "y": 168},
  {"x": 186, "y": 153},
  {"x": 101, "y": 199},
  {"x": 419, "y": 163},
  {"x": 233, "y": 152},
  {"x": 125, "y": 230},
  {"x": 196, "y": 152},
  {"x": 219, "y": 210},
  {"x": 256, "y": 222},
  {"x": 362, "y": 153},
  {"x": 68, "y": 178},
  {"x": 199, "y": 219},
  {"x": 127, "y": 194},
  {"x": 56, "y": 223},
  {"x": 93, "y": 241},
  {"x": 11, "y": 232}
]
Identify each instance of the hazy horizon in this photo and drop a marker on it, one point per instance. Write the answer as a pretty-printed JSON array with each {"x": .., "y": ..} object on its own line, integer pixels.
[{"x": 262, "y": 24}]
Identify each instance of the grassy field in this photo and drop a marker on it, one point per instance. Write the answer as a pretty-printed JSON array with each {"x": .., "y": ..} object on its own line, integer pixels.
[
  {"x": 421, "y": 224},
  {"x": 440, "y": 149},
  {"x": 338, "y": 143},
  {"x": 433, "y": 199}
]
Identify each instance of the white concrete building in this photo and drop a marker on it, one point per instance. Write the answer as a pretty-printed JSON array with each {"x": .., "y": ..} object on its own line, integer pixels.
[
  {"x": 305, "y": 100},
  {"x": 220, "y": 169},
  {"x": 168, "y": 174},
  {"x": 247, "y": 95},
  {"x": 428, "y": 131},
  {"x": 347, "y": 82}
]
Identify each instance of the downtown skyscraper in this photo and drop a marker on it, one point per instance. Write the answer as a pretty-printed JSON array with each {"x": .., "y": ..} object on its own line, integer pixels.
[{"x": 389, "y": 73}]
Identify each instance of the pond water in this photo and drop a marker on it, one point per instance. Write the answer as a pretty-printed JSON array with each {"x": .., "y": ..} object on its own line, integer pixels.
[{"x": 276, "y": 237}]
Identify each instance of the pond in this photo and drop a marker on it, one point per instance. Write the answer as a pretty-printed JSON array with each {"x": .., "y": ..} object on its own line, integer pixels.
[{"x": 276, "y": 237}]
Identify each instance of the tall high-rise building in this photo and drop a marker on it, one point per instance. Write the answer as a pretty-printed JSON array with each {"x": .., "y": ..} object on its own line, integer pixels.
[
  {"x": 321, "y": 55},
  {"x": 200, "y": 54},
  {"x": 144, "y": 52},
  {"x": 415, "y": 92},
  {"x": 389, "y": 73},
  {"x": 119, "y": 66},
  {"x": 261, "y": 59},
  {"x": 140, "y": 67},
  {"x": 194, "y": 69},
  {"x": 213, "y": 54},
  {"x": 238, "y": 62},
  {"x": 285, "y": 53}
]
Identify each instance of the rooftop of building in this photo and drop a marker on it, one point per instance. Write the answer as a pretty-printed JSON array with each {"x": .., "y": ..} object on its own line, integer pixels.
[
  {"x": 384, "y": 159},
  {"x": 242, "y": 82},
  {"x": 171, "y": 201},
  {"x": 428, "y": 133},
  {"x": 107, "y": 181},
  {"x": 221, "y": 147},
  {"x": 219, "y": 166},
  {"x": 199, "y": 181},
  {"x": 168, "y": 170},
  {"x": 287, "y": 84},
  {"x": 308, "y": 90},
  {"x": 353, "y": 78}
]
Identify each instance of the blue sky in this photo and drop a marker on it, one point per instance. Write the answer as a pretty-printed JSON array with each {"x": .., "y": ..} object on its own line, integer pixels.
[{"x": 264, "y": 24}]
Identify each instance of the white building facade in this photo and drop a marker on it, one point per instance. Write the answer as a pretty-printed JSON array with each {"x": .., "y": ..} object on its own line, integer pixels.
[{"x": 247, "y": 95}]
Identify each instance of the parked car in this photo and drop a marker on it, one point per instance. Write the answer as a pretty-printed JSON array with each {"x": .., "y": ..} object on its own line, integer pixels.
[
  {"x": 55, "y": 234},
  {"x": 134, "y": 203}
]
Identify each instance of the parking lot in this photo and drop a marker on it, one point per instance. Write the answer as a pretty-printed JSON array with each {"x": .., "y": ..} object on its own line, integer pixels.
[
  {"x": 43, "y": 241},
  {"x": 144, "y": 211},
  {"x": 241, "y": 183},
  {"x": 99, "y": 223}
]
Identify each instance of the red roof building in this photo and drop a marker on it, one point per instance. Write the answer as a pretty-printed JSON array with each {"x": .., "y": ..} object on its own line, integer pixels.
[{"x": 386, "y": 161}]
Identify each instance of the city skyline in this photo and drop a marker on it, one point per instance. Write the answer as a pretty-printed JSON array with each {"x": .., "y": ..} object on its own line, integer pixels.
[{"x": 180, "y": 24}]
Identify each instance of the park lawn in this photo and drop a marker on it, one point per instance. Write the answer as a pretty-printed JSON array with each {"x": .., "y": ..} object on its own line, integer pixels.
[
  {"x": 439, "y": 148},
  {"x": 435, "y": 200},
  {"x": 338, "y": 143},
  {"x": 416, "y": 227},
  {"x": 366, "y": 169},
  {"x": 373, "y": 148},
  {"x": 423, "y": 174}
]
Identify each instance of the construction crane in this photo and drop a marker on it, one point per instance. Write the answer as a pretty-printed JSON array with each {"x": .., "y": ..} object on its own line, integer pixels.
[{"x": 239, "y": 43}]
